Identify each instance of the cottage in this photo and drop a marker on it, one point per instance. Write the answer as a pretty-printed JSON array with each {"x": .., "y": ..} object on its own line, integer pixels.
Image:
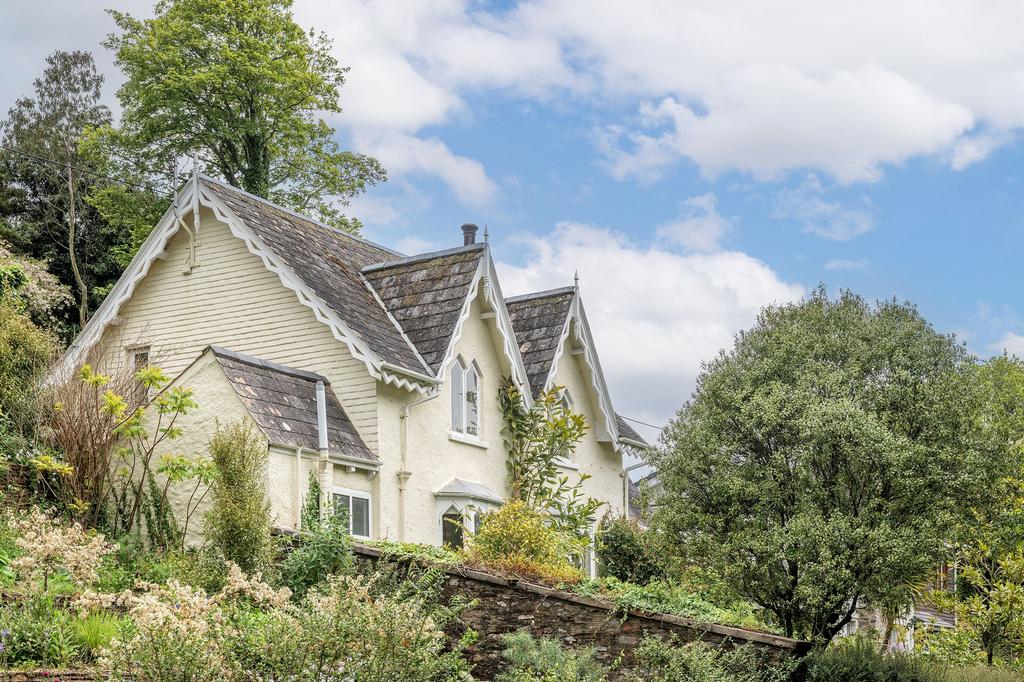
[{"x": 377, "y": 372}]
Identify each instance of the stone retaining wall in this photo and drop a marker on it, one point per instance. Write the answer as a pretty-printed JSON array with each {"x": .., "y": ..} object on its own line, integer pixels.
[{"x": 506, "y": 606}]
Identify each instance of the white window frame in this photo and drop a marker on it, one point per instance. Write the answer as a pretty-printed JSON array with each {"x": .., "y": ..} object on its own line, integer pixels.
[
  {"x": 134, "y": 352},
  {"x": 469, "y": 510},
  {"x": 460, "y": 401},
  {"x": 363, "y": 495}
]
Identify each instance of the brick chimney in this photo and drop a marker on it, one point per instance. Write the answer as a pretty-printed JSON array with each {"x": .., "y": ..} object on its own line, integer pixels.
[{"x": 469, "y": 234}]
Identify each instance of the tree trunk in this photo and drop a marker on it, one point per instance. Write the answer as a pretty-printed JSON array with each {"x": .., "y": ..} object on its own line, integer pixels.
[{"x": 83, "y": 290}]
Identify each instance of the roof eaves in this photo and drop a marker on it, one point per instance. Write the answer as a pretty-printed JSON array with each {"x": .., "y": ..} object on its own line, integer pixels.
[
  {"x": 541, "y": 294},
  {"x": 267, "y": 364},
  {"x": 408, "y": 260},
  {"x": 294, "y": 214}
]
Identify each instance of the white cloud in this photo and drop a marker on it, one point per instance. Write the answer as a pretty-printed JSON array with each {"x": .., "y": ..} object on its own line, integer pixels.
[
  {"x": 763, "y": 88},
  {"x": 405, "y": 154},
  {"x": 698, "y": 227},
  {"x": 1011, "y": 343},
  {"x": 821, "y": 217},
  {"x": 656, "y": 313},
  {"x": 841, "y": 264}
]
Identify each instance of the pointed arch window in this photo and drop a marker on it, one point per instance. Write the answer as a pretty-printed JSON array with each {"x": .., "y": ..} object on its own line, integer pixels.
[{"x": 466, "y": 381}]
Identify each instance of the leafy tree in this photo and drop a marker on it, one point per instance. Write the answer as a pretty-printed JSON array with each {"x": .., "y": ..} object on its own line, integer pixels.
[
  {"x": 241, "y": 84},
  {"x": 989, "y": 599},
  {"x": 46, "y": 178},
  {"x": 824, "y": 459},
  {"x": 537, "y": 438}
]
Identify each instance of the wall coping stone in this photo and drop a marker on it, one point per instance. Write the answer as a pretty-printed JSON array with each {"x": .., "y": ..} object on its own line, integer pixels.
[{"x": 728, "y": 631}]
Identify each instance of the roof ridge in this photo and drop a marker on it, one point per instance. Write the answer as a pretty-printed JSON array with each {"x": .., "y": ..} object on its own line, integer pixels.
[
  {"x": 540, "y": 294},
  {"x": 407, "y": 260},
  {"x": 267, "y": 364},
  {"x": 296, "y": 214}
]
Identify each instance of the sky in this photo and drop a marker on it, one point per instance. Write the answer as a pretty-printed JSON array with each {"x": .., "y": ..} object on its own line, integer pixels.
[{"x": 694, "y": 161}]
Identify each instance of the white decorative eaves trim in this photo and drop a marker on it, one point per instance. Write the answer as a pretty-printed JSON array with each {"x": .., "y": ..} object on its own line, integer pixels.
[
  {"x": 341, "y": 331},
  {"x": 123, "y": 289},
  {"x": 492, "y": 293},
  {"x": 583, "y": 335}
]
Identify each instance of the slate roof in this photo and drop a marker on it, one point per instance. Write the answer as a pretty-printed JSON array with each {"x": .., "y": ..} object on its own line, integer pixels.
[
  {"x": 538, "y": 321},
  {"x": 282, "y": 401},
  {"x": 329, "y": 262},
  {"x": 425, "y": 294},
  {"x": 626, "y": 431},
  {"x": 459, "y": 488}
]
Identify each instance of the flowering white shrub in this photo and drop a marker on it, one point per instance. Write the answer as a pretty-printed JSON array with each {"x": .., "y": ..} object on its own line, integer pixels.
[
  {"x": 249, "y": 631},
  {"x": 49, "y": 545}
]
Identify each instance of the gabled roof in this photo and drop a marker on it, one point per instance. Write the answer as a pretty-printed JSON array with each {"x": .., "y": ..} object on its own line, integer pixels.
[
  {"x": 468, "y": 489},
  {"x": 539, "y": 321},
  {"x": 628, "y": 433},
  {"x": 329, "y": 262},
  {"x": 426, "y": 294},
  {"x": 543, "y": 323},
  {"x": 282, "y": 402}
]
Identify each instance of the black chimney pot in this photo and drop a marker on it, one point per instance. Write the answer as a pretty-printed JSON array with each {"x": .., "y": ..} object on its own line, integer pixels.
[{"x": 469, "y": 234}]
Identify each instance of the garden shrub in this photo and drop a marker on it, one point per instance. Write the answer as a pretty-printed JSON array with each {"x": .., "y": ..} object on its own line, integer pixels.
[
  {"x": 517, "y": 540},
  {"x": 341, "y": 631},
  {"x": 661, "y": 661},
  {"x": 238, "y": 524},
  {"x": 624, "y": 551},
  {"x": 546, "y": 660},
  {"x": 47, "y": 546},
  {"x": 662, "y": 596},
  {"x": 323, "y": 551}
]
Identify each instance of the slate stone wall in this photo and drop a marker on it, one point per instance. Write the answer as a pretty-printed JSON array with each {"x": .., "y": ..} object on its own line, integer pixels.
[{"x": 506, "y": 606}]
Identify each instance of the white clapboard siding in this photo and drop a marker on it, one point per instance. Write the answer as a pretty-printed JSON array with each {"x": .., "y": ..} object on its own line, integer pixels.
[{"x": 232, "y": 300}]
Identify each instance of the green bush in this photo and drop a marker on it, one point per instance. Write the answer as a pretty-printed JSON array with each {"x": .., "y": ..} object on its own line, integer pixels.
[
  {"x": 624, "y": 551},
  {"x": 345, "y": 630},
  {"x": 37, "y": 634},
  {"x": 202, "y": 568},
  {"x": 660, "y": 661},
  {"x": 323, "y": 551},
  {"x": 516, "y": 539},
  {"x": 546, "y": 660},
  {"x": 858, "y": 659},
  {"x": 238, "y": 524},
  {"x": 668, "y": 597}
]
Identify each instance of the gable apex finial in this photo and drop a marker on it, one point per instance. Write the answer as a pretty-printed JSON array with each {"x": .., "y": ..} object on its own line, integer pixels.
[
  {"x": 576, "y": 280},
  {"x": 487, "y": 235}
]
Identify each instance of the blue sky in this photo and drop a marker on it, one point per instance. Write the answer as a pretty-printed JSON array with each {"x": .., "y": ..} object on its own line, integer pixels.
[{"x": 695, "y": 161}]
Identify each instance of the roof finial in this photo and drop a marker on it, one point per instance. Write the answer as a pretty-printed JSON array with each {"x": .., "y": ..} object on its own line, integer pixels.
[
  {"x": 576, "y": 280},
  {"x": 487, "y": 235},
  {"x": 195, "y": 164}
]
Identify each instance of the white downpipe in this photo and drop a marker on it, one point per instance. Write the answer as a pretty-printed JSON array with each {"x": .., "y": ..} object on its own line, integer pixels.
[
  {"x": 324, "y": 470},
  {"x": 297, "y": 489},
  {"x": 403, "y": 472}
]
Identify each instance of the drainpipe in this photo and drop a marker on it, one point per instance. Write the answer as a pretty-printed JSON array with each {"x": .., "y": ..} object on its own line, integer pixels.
[
  {"x": 297, "y": 489},
  {"x": 324, "y": 469},
  {"x": 403, "y": 472}
]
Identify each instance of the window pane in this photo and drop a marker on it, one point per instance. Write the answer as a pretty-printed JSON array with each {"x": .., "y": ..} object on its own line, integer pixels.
[
  {"x": 457, "y": 398},
  {"x": 451, "y": 529},
  {"x": 472, "y": 402},
  {"x": 360, "y": 516},
  {"x": 342, "y": 508}
]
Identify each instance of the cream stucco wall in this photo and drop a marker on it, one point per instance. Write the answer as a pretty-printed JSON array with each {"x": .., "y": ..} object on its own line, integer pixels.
[
  {"x": 218, "y": 403},
  {"x": 232, "y": 300},
  {"x": 434, "y": 458},
  {"x": 599, "y": 459}
]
